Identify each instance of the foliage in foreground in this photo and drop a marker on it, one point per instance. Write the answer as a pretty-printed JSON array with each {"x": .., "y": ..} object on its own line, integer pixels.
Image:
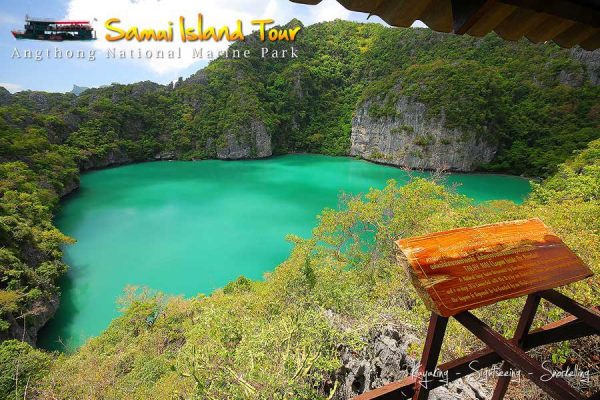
[
  {"x": 20, "y": 367},
  {"x": 279, "y": 338}
]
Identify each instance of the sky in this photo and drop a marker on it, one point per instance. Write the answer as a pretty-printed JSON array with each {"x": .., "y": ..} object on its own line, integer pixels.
[{"x": 59, "y": 75}]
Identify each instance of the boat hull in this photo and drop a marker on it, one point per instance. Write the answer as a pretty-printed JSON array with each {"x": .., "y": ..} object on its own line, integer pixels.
[{"x": 51, "y": 37}]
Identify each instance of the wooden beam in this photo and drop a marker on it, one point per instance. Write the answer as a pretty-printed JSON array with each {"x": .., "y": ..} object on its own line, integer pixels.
[
  {"x": 577, "y": 33},
  {"x": 431, "y": 354},
  {"x": 550, "y": 28},
  {"x": 585, "y": 12},
  {"x": 519, "y": 23},
  {"x": 569, "y": 328},
  {"x": 465, "y": 13},
  {"x": 400, "y": 390},
  {"x": 523, "y": 326},
  {"x": 557, "y": 388},
  {"x": 438, "y": 15},
  {"x": 488, "y": 22},
  {"x": 589, "y": 316},
  {"x": 400, "y": 12},
  {"x": 593, "y": 42}
]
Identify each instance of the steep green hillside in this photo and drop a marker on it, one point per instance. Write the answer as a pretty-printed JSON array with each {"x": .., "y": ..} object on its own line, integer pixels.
[{"x": 537, "y": 103}]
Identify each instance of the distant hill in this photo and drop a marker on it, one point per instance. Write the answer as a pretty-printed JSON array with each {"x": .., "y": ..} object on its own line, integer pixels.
[
  {"x": 408, "y": 97},
  {"x": 77, "y": 90}
]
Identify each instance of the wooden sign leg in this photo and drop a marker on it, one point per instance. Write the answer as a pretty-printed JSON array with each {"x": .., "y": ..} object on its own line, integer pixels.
[
  {"x": 431, "y": 354},
  {"x": 525, "y": 321},
  {"x": 589, "y": 316},
  {"x": 557, "y": 387}
]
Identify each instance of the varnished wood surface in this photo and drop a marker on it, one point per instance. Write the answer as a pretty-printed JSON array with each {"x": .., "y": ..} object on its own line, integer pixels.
[{"x": 467, "y": 268}]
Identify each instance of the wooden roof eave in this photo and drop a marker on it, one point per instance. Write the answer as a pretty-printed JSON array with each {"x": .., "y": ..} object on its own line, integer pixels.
[{"x": 566, "y": 22}]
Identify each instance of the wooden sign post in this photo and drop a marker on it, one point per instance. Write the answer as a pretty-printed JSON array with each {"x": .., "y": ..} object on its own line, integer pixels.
[{"x": 463, "y": 269}]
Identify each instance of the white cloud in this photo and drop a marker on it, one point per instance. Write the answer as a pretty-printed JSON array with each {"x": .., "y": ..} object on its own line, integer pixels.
[
  {"x": 156, "y": 14},
  {"x": 328, "y": 10},
  {"x": 11, "y": 87}
]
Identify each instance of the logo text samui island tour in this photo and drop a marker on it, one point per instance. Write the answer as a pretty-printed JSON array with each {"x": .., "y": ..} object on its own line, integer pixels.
[
  {"x": 198, "y": 32},
  {"x": 184, "y": 31}
]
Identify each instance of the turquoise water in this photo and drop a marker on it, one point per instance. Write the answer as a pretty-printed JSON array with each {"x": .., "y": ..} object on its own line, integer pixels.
[{"x": 191, "y": 227}]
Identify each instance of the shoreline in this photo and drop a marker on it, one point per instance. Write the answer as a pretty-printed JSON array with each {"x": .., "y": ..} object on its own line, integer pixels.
[{"x": 475, "y": 172}]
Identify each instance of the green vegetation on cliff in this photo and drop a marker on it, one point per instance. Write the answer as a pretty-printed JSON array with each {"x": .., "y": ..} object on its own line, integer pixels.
[{"x": 538, "y": 103}]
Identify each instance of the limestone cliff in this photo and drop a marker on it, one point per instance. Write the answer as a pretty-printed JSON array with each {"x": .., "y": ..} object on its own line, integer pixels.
[
  {"x": 112, "y": 157},
  {"x": 405, "y": 136},
  {"x": 256, "y": 143}
]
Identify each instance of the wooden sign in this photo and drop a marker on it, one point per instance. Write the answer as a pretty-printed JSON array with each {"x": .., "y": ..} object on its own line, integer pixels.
[{"x": 467, "y": 268}]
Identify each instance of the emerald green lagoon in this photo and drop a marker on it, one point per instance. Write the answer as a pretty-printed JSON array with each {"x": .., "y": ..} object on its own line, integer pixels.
[{"x": 191, "y": 227}]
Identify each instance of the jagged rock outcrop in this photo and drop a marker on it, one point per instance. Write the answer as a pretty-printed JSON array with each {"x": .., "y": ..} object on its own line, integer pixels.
[
  {"x": 382, "y": 361},
  {"x": 140, "y": 89},
  {"x": 408, "y": 138},
  {"x": 199, "y": 77},
  {"x": 591, "y": 61},
  {"x": 385, "y": 359},
  {"x": 26, "y": 327}
]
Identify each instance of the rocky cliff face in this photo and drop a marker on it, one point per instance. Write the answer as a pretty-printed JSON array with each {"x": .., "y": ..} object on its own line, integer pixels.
[
  {"x": 406, "y": 137},
  {"x": 256, "y": 143},
  {"x": 591, "y": 61},
  {"x": 112, "y": 157},
  {"x": 26, "y": 327}
]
